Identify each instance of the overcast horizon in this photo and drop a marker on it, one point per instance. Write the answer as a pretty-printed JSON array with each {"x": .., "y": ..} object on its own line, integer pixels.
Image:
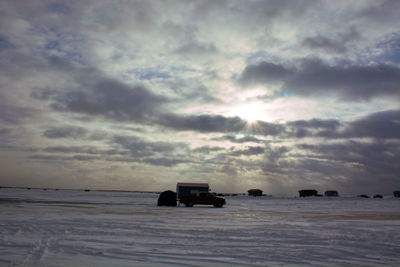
[{"x": 139, "y": 95}]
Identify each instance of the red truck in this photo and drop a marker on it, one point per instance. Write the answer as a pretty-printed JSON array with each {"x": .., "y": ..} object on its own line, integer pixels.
[{"x": 204, "y": 198}]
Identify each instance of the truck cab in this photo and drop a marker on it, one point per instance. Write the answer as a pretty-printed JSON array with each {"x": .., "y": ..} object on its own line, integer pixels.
[{"x": 203, "y": 198}]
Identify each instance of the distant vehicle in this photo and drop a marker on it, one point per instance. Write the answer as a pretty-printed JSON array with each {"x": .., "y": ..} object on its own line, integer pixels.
[
  {"x": 364, "y": 196},
  {"x": 378, "y": 196},
  {"x": 203, "y": 198},
  {"x": 396, "y": 193}
]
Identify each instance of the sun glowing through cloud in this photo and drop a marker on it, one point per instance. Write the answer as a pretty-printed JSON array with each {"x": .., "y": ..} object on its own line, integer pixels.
[
  {"x": 250, "y": 112},
  {"x": 249, "y": 105}
]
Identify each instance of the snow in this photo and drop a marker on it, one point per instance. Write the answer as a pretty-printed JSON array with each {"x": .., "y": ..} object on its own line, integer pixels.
[{"x": 77, "y": 228}]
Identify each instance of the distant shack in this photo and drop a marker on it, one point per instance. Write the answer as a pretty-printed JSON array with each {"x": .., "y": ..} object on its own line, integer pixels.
[
  {"x": 255, "y": 192},
  {"x": 331, "y": 193},
  {"x": 308, "y": 193}
]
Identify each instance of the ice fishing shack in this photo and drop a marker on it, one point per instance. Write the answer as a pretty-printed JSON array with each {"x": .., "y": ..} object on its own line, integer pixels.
[{"x": 190, "y": 189}]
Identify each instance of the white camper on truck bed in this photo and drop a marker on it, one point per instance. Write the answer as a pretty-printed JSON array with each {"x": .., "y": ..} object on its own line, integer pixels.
[{"x": 190, "y": 189}]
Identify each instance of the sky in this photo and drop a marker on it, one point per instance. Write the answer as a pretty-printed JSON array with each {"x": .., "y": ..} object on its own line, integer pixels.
[{"x": 139, "y": 95}]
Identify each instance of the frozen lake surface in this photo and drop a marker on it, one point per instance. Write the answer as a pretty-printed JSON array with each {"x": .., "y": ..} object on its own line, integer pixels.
[{"x": 77, "y": 228}]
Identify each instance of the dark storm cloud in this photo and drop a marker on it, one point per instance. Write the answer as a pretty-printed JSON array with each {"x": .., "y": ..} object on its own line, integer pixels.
[
  {"x": 314, "y": 77},
  {"x": 217, "y": 123},
  {"x": 5, "y": 131},
  {"x": 265, "y": 72},
  {"x": 249, "y": 151},
  {"x": 14, "y": 114},
  {"x": 117, "y": 155},
  {"x": 207, "y": 149},
  {"x": 275, "y": 160},
  {"x": 373, "y": 160},
  {"x": 112, "y": 100},
  {"x": 154, "y": 153},
  {"x": 307, "y": 128},
  {"x": 139, "y": 148},
  {"x": 92, "y": 93},
  {"x": 383, "y": 125},
  {"x": 350, "y": 82},
  {"x": 379, "y": 125},
  {"x": 325, "y": 43},
  {"x": 234, "y": 139},
  {"x": 382, "y": 11},
  {"x": 315, "y": 124},
  {"x": 10, "y": 114},
  {"x": 269, "y": 129},
  {"x": 164, "y": 161},
  {"x": 234, "y": 125},
  {"x": 335, "y": 44},
  {"x": 196, "y": 48},
  {"x": 83, "y": 150},
  {"x": 273, "y": 154},
  {"x": 64, "y": 158},
  {"x": 348, "y": 165},
  {"x": 42, "y": 93},
  {"x": 133, "y": 149},
  {"x": 202, "y": 123},
  {"x": 66, "y": 132}
]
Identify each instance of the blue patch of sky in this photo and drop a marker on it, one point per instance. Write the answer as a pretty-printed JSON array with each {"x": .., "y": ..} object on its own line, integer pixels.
[
  {"x": 181, "y": 69},
  {"x": 154, "y": 75},
  {"x": 60, "y": 8},
  {"x": 288, "y": 93},
  {"x": 149, "y": 74},
  {"x": 392, "y": 52},
  {"x": 66, "y": 55},
  {"x": 52, "y": 45},
  {"x": 5, "y": 43},
  {"x": 118, "y": 56},
  {"x": 64, "y": 46},
  {"x": 389, "y": 50}
]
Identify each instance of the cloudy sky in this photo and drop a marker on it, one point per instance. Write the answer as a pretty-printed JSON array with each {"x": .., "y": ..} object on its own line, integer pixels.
[{"x": 139, "y": 95}]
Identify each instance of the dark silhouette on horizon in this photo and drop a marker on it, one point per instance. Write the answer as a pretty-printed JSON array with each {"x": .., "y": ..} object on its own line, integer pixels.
[{"x": 255, "y": 192}]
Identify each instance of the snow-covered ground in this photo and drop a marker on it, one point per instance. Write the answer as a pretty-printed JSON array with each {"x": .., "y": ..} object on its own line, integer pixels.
[{"x": 77, "y": 228}]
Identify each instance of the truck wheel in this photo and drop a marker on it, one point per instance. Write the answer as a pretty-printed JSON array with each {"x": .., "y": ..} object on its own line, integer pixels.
[
  {"x": 189, "y": 204},
  {"x": 218, "y": 205}
]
